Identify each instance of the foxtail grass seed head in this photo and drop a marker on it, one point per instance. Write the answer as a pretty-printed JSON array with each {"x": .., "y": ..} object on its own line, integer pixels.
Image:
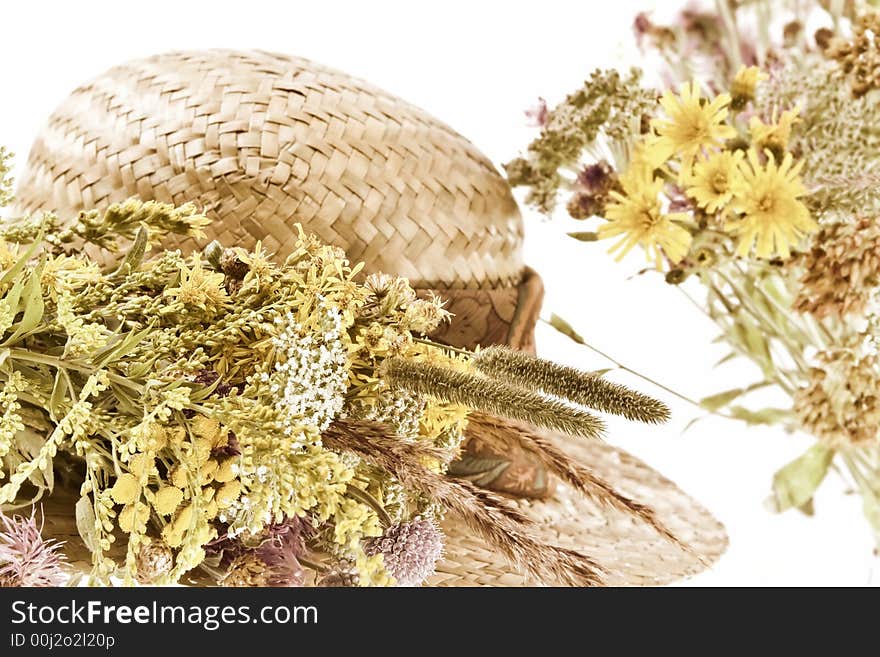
[
  {"x": 490, "y": 395},
  {"x": 584, "y": 388}
]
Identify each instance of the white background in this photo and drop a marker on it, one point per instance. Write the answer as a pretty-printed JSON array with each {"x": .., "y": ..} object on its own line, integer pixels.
[{"x": 478, "y": 65}]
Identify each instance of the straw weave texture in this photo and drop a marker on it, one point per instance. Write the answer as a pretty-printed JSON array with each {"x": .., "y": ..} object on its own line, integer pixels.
[
  {"x": 631, "y": 552},
  {"x": 262, "y": 141}
]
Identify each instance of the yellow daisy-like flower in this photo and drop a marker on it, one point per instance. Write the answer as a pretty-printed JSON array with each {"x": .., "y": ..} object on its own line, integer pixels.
[
  {"x": 744, "y": 84},
  {"x": 693, "y": 123},
  {"x": 200, "y": 287},
  {"x": 712, "y": 181},
  {"x": 767, "y": 196},
  {"x": 775, "y": 135},
  {"x": 638, "y": 216},
  {"x": 646, "y": 157}
]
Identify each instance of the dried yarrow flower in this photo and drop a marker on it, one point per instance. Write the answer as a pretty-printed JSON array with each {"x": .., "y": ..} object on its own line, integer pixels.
[
  {"x": 410, "y": 550},
  {"x": 840, "y": 404},
  {"x": 841, "y": 270},
  {"x": 26, "y": 558}
]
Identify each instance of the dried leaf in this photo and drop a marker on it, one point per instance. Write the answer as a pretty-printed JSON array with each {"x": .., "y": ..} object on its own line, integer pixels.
[
  {"x": 795, "y": 483},
  {"x": 120, "y": 348},
  {"x": 59, "y": 389},
  {"x": 85, "y": 523},
  {"x": 565, "y": 328},
  {"x": 585, "y": 236},
  {"x": 717, "y": 401},
  {"x": 33, "y": 306},
  {"x": 135, "y": 254},
  {"x": 727, "y": 358},
  {"x": 721, "y": 399},
  {"x": 21, "y": 263},
  {"x": 480, "y": 470},
  {"x": 762, "y": 416}
]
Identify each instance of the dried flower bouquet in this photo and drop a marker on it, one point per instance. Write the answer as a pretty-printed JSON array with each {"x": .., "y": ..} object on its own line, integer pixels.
[
  {"x": 750, "y": 180},
  {"x": 223, "y": 416}
]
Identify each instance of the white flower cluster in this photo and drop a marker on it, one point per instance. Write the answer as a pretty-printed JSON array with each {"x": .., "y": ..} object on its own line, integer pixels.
[
  {"x": 311, "y": 375},
  {"x": 402, "y": 411}
]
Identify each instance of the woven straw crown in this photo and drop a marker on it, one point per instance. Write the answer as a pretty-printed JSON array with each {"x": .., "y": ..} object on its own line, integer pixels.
[{"x": 261, "y": 141}]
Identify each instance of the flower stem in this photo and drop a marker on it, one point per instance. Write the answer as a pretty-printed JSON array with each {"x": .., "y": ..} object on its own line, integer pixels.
[
  {"x": 61, "y": 363},
  {"x": 624, "y": 368}
]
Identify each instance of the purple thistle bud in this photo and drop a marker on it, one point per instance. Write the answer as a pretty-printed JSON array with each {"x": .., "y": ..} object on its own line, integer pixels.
[
  {"x": 596, "y": 178},
  {"x": 410, "y": 550},
  {"x": 26, "y": 558}
]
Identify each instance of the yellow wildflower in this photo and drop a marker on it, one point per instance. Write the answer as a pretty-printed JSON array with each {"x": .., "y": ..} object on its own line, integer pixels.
[
  {"x": 174, "y": 531},
  {"x": 638, "y": 216},
  {"x": 646, "y": 157},
  {"x": 199, "y": 287},
  {"x": 8, "y": 257},
  {"x": 692, "y": 123},
  {"x": 775, "y": 135},
  {"x": 65, "y": 273},
  {"x": 125, "y": 490},
  {"x": 767, "y": 196},
  {"x": 713, "y": 178},
  {"x": 228, "y": 493},
  {"x": 207, "y": 469},
  {"x": 133, "y": 515},
  {"x": 178, "y": 476},
  {"x": 226, "y": 471},
  {"x": 139, "y": 463},
  {"x": 744, "y": 84},
  {"x": 167, "y": 500}
]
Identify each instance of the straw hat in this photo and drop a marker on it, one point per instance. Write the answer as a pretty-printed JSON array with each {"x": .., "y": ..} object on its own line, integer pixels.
[{"x": 262, "y": 141}]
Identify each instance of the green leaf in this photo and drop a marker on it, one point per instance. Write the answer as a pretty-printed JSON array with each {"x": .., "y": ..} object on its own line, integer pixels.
[
  {"x": 33, "y": 306},
  {"x": 135, "y": 254},
  {"x": 21, "y": 263},
  {"x": 722, "y": 399},
  {"x": 727, "y": 358},
  {"x": 85, "y": 523},
  {"x": 714, "y": 402},
  {"x": 762, "y": 416},
  {"x": 479, "y": 470},
  {"x": 585, "y": 236},
  {"x": 59, "y": 390},
  {"x": 565, "y": 328},
  {"x": 119, "y": 348},
  {"x": 13, "y": 297},
  {"x": 795, "y": 483}
]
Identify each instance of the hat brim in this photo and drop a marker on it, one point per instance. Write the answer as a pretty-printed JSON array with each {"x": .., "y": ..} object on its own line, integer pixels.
[{"x": 631, "y": 552}]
